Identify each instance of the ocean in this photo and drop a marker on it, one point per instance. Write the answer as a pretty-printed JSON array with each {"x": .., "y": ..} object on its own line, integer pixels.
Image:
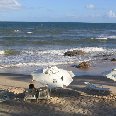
[{"x": 42, "y": 44}]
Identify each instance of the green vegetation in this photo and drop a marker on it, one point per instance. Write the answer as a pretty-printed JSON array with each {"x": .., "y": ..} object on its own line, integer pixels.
[{"x": 11, "y": 52}]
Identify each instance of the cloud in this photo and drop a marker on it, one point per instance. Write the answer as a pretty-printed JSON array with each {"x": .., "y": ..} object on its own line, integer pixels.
[
  {"x": 111, "y": 14},
  {"x": 9, "y": 4},
  {"x": 71, "y": 15},
  {"x": 90, "y": 6}
]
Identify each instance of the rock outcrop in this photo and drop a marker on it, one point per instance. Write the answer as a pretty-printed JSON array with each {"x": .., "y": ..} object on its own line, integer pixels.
[
  {"x": 74, "y": 53},
  {"x": 83, "y": 65}
]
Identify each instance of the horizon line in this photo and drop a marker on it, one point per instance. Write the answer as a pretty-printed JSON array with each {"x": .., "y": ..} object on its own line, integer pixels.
[{"x": 52, "y": 22}]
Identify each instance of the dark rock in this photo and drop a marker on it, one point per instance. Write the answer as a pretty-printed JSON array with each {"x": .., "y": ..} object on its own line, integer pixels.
[
  {"x": 103, "y": 55},
  {"x": 105, "y": 59},
  {"x": 74, "y": 53},
  {"x": 64, "y": 92},
  {"x": 83, "y": 65},
  {"x": 113, "y": 59},
  {"x": 106, "y": 55}
]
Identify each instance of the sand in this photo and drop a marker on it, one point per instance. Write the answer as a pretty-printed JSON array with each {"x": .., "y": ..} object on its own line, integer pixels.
[
  {"x": 71, "y": 101},
  {"x": 14, "y": 80}
]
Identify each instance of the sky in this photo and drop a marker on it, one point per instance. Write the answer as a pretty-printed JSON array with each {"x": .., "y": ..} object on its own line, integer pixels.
[{"x": 94, "y": 11}]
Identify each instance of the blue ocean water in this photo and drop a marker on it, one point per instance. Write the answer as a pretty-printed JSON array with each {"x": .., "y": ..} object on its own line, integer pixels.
[
  {"x": 53, "y": 34},
  {"x": 44, "y": 43}
]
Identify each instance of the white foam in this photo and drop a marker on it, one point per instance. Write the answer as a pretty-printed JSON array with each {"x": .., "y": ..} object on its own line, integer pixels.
[
  {"x": 102, "y": 38},
  {"x": 29, "y": 32},
  {"x": 32, "y": 57},
  {"x": 105, "y": 38},
  {"x": 32, "y": 64},
  {"x": 90, "y": 49},
  {"x": 1, "y": 52},
  {"x": 62, "y": 51},
  {"x": 16, "y": 30},
  {"x": 112, "y": 37}
]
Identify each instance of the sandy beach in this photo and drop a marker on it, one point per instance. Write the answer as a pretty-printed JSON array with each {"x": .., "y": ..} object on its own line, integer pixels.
[
  {"x": 71, "y": 101},
  {"x": 57, "y": 58},
  {"x": 14, "y": 80},
  {"x": 74, "y": 100}
]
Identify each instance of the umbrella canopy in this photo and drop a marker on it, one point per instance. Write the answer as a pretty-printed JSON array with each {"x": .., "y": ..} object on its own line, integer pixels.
[
  {"x": 53, "y": 77},
  {"x": 112, "y": 75}
]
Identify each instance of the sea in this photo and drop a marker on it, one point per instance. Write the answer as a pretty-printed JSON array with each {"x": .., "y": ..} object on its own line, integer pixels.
[{"x": 41, "y": 44}]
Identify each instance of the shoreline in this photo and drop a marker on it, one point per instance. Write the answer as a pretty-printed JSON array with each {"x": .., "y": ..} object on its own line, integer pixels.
[
  {"x": 97, "y": 68},
  {"x": 14, "y": 80},
  {"x": 20, "y": 80},
  {"x": 73, "y": 100},
  {"x": 95, "y": 72}
]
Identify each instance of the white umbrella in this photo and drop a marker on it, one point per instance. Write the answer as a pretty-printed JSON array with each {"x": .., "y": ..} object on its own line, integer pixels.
[
  {"x": 53, "y": 77},
  {"x": 112, "y": 75}
]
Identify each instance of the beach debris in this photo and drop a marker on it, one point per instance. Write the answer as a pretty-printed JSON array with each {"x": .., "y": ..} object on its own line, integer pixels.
[
  {"x": 53, "y": 77},
  {"x": 83, "y": 65},
  {"x": 74, "y": 53},
  {"x": 16, "y": 90},
  {"x": 96, "y": 87},
  {"x": 113, "y": 59},
  {"x": 33, "y": 93},
  {"x": 3, "y": 96},
  {"x": 112, "y": 75}
]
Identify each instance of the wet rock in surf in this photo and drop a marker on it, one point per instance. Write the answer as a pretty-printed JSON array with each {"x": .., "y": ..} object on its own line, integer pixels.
[
  {"x": 105, "y": 59},
  {"x": 113, "y": 59},
  {"x": 83, "y": 65},
  {"x": 74, "y": 53},
  {"x": 103, "y": 55}
]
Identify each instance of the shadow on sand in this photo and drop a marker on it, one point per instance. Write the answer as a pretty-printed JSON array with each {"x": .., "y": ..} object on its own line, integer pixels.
[
  {"x": 79, "y": 80},
  {"x": 78, "y": 84},
  {"x": 18, "y": 77}
]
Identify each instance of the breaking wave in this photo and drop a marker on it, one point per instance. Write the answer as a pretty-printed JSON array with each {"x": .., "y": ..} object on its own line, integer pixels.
[{"x": 32, "y": 57}]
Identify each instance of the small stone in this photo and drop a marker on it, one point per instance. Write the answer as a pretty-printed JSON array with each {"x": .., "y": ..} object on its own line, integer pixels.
[{"x": 83, "y": 65}]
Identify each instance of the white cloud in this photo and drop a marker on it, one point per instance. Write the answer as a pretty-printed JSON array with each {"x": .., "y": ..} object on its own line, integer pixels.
[
  {"x": 90, "y": 6},
  {"x": 111, "y": 14},
  {"x": 71, "y": 15},
  {"x": 9, "y": 4}
]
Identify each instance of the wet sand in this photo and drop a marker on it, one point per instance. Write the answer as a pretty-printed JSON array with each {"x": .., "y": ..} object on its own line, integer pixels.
[{"x": 14, "y": 80}]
